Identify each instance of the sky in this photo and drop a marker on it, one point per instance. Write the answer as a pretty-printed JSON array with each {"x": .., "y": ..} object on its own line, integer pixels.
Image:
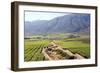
[{"x": 33, "y": 15}]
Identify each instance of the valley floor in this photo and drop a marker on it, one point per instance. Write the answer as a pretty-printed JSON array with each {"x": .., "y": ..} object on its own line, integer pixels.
[{"x": 37, "y": 50}]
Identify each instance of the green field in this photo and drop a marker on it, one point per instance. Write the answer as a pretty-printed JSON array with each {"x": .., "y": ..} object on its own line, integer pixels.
[
  {"x": 76, "y": 46},
  {"x": 33, "y": 50},
  {"x": 34, "y": 46}
]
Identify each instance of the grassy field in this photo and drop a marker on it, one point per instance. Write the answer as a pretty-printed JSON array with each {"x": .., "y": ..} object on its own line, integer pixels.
[{"x": 33, "y": 48}]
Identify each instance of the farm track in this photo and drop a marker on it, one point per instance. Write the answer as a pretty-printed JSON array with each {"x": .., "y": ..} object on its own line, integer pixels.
[{"x": 53, "y": 56}]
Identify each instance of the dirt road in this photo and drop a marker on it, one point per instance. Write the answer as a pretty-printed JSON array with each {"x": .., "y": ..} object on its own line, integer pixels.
[{"x": 51, "y": 55}]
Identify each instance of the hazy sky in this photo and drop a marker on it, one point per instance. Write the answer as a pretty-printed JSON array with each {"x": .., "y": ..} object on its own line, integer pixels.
[{"x": 32, "y": 16}]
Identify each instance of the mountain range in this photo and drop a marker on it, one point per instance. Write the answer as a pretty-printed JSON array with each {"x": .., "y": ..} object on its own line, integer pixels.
[{"x": 71, "y": 23}]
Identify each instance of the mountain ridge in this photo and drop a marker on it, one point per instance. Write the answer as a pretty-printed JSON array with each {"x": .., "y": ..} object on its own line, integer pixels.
[{"x": 63, "y": 24}]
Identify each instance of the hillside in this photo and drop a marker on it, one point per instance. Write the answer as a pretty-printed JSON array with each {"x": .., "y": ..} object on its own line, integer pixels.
[{"x": 72, "y": 23}]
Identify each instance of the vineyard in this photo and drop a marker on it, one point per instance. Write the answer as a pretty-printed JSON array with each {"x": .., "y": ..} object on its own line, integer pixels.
[{"x": 33, "y": 50}]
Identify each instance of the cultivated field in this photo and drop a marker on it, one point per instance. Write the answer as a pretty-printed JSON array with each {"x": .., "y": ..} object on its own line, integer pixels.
[
  {"x": 33, "y": 50},
  {"x": 75, "y": 44}
]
